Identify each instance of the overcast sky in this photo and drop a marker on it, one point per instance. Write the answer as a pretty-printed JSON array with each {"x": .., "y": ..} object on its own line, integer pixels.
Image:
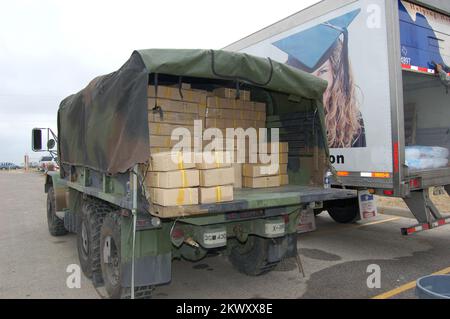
[{"x": 51, "y": 49}]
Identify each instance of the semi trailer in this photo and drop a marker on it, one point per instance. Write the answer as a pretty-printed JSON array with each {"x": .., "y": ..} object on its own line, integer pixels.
[{"x": 387, "y": 104}]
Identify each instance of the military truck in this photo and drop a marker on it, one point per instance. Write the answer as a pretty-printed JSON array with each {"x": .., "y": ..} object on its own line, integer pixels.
[{"x": 125, "y": 242}]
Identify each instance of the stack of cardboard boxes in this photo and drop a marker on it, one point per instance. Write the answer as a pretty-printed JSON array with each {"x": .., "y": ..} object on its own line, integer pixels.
[
  {"x": 200, "y": 181},
  {"x": 267, "y": 175},
  {"x": 173, "y": 181},
  {"x": 216, "y": 177},
  {"x": 170, "y": 108},
  {"x": 225, "y": 111}
]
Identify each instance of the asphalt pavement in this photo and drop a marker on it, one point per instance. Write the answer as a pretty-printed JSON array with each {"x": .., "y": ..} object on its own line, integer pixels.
[{"x": 336, "y": 258}]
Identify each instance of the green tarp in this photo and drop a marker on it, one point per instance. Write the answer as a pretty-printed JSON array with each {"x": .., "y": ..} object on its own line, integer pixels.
[{"x": 105, "y": 126}]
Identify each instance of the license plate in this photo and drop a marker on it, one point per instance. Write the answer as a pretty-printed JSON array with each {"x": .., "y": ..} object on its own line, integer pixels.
[
  {"x": 275, "y": 228},
  {"x": 218, "y": 238}
]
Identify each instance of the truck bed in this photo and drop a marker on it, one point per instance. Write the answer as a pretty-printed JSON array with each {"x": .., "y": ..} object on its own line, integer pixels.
[{"x": 253, "y": 199}]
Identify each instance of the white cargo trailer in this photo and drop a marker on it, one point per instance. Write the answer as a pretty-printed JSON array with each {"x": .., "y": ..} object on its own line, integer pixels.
[{"x": 384, "y": 95}]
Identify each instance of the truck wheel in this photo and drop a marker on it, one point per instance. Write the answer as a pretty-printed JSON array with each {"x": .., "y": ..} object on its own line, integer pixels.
[
  {"x": 111, "y": 265},
  {"x": 55, "y": 224},
  {"x": 251, "y": 258},
  {"x": 344, "y": 211},
  {"x": 88, "y": 235}
]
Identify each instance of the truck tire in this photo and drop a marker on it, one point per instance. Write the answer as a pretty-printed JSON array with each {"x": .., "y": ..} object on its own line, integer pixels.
[
  {"x": 89, "y": 225},
  {"x": 344, "y": 211},
  {"x": 55, "y": 224},
  {"x": 110, "y": 239},
  {"x": 251, "y": 258}
]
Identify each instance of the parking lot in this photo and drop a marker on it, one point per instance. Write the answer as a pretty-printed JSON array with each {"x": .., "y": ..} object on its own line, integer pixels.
[{"x": 335, "y": 257}]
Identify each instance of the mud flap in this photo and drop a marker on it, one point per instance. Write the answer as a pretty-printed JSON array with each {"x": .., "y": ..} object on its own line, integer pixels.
[
  {"x": 281, "y": 248},
  {"x": 149, "y": 271}
]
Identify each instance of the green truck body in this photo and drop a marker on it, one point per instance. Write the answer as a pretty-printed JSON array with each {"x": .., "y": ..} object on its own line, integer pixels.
[{"x": 103, "y": 147}]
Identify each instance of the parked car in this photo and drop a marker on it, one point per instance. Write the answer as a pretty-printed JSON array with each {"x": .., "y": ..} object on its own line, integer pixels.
[{"x": 8, "y": 166}]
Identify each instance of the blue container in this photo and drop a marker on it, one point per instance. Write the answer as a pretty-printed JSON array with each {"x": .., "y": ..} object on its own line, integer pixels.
[{"x": 433, "y": 287}]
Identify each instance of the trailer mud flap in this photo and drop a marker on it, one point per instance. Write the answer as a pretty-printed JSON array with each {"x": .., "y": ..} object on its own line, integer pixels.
[{"x": 149, "y": 271}]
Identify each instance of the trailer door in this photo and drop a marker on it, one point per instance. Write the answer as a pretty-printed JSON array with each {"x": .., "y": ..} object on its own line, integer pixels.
[{"x": 425, "y": 38}]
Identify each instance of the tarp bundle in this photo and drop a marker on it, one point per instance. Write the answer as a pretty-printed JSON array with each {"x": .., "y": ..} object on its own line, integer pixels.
[{"x": 105, "y": 126}]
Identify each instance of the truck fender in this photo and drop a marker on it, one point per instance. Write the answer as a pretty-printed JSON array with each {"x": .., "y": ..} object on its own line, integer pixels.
[{"x": 52, "y": 179}]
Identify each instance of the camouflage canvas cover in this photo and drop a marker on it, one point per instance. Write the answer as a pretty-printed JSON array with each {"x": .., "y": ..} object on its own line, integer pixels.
[{"x": 104, "y": 126}]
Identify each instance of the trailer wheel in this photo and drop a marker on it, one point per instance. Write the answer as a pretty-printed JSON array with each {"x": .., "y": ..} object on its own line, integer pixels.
[
  {"x": 111, "y": 265},
  {"x": 88, "y": 236},
  {"x": 344, "y": 211},
  {"x": 252, "y": 257},
  {"x": 55, "y": 224}
]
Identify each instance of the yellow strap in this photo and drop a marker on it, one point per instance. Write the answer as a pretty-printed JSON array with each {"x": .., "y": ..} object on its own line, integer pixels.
[
  {"x": 189, "y": 95},
  {"x": 183, "y": 178},
  {"x": 157, "y": 180},
  {"x": 181, "y": 197},
  {"x": 158, "y": 128},
  {"x": 167, "y": 92},
  {"x": 180, "y": 161},
  {"x": 167, "y": 142},
  {"x": 234, "y": 104},
  {"x": 190, "y": 196},
  {"x": 217, "y": 101},
  {"x": 218, "y": 194},
  {"x": 216, "y": 158}
]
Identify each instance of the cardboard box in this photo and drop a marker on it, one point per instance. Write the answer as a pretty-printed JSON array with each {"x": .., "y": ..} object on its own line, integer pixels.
[
  {"x": 217, "y": 177},
  {"x": 165, "y": 129},
  {"x": 171, "y": 161},
  {"x": 166, "y": 141},
  {"x": 237, "y": 175},
  {"x": 284, "y": 180},
  {"x": 174, "y": 197},
  {"x": 212, "y": 160},
  {"x": 173, "y": 93},
  {"x": 259, "y": 107},
  {"x": 184, "y": 86},
  {"x": 173, "y": 179},
  {"x": 257, "y": 170},
  {"x": 220, "y": 113},
  {"x": 262, "y": 182},
  {"x": 218, "y": 194},
  {"x": 177, "y": 106},
  {"x": 231, "y": 94},
  {"x": 216, "y": 102},
  {"x": 283, "y": 158},
  {"x": 184, "y": 119}
]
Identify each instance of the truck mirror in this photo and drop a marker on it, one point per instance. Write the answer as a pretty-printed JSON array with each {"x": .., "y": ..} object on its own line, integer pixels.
[
  {"x": 36, "y": 140},
  {"x": 51, "y": 144}
]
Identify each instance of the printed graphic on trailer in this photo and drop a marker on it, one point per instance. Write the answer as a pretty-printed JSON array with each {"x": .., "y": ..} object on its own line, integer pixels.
[
  {"x": 424, "y": 36},
  {"x": 348, "y": 49}
]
